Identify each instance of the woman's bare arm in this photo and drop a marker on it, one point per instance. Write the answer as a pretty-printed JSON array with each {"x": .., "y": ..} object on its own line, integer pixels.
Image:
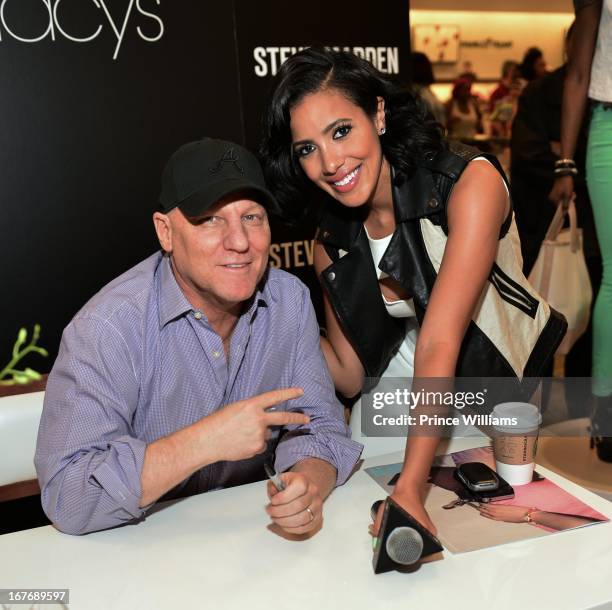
[{"x": 476, "y": 210}]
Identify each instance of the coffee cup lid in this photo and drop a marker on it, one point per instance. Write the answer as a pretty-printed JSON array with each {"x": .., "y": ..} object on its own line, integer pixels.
[{"x": 516, "y": 417}]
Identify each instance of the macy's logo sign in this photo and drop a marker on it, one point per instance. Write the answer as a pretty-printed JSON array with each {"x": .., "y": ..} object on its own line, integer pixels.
[{"x": 55, "y": 25}]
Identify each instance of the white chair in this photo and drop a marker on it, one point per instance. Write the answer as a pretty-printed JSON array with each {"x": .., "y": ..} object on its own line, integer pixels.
[{"x": 19, "y": 419}]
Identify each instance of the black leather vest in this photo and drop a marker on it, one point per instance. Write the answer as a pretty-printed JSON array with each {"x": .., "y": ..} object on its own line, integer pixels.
[{"x": 352, "y": 285}]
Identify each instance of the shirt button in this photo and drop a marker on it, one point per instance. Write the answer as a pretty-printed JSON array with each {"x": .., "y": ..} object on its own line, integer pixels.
[
  {"x": 216, "y": 354},
  {"x": 197, "y": 315},
  {"x": 331, "y": 276},
  {"x": 433, "y": 203}
]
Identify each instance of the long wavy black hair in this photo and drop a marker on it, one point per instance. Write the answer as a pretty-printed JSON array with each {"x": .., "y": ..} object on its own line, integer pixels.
[{"x": 412, "y": 134}]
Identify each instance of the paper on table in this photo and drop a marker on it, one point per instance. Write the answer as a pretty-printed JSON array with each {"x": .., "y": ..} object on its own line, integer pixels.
[{"x": 463, "y": 529}]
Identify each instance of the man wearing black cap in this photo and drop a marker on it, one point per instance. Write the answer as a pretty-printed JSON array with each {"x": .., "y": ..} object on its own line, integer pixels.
[{"x": 192, "y": 369}]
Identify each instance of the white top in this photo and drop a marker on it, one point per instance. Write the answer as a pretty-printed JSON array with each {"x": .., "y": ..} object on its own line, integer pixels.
[
  {"x": 400, "y": 308},
  {"x": 601, "y": 74},
  {"x": 402, "y": 364},
  {"x": 214, "y": 551}
]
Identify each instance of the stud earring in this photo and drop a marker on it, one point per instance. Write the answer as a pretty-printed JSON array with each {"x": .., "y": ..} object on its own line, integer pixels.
[{"x": 382, "y": 131}]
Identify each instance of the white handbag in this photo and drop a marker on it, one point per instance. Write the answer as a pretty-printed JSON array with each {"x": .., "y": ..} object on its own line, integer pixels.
[{"x": 560, "y": 275}]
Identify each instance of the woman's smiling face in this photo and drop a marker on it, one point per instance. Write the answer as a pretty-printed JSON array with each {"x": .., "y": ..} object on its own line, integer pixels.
[{"x": 338, "y": 146}]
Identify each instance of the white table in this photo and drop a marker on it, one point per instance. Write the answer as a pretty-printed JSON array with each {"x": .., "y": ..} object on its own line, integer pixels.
[{"x": 214, "y": 551}]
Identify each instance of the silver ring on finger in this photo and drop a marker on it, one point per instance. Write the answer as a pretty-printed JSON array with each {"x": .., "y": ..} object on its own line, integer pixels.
[{"x": 312, "y": 517}]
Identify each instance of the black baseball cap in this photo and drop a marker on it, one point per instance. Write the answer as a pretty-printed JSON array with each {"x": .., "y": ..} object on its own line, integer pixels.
[{"x": 201, "y": 173}]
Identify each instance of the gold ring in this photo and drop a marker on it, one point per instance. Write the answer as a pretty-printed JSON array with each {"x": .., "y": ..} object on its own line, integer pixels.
[{"x": 311, "y": 514}]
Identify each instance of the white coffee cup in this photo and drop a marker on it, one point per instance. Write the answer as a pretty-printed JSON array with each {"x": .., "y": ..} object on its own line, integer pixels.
[{"x": 515, "y": 439}]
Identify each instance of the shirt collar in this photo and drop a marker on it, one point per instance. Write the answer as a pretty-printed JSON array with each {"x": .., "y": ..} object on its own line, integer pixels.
[
  {"x": 173, "y": 303},
  {"x": 255, "y": 302}
]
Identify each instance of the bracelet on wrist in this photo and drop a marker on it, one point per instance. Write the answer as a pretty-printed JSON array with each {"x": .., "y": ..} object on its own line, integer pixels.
[
  {"x": 565, "y": 163},
  {"x": 528, "y": 515},
  {"x": 565, "y": 171}
]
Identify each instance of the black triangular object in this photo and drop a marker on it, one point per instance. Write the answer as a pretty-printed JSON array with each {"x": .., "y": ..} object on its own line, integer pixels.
[{"x": 395, "y": 516}]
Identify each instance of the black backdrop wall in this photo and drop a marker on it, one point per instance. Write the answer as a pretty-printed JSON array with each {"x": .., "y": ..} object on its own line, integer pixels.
[{"x": 96, "y": 94}]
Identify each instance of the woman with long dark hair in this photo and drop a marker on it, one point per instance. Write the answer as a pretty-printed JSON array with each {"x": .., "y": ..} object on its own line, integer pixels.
[{"x": 417, "y": 250}]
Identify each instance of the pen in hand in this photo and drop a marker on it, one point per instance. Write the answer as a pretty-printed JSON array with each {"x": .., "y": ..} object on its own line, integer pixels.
[{"x": 276, "y": 480}]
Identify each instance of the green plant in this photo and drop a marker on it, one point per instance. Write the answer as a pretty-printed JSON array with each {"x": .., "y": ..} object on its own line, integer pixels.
[{"x": 19, "y": 351}]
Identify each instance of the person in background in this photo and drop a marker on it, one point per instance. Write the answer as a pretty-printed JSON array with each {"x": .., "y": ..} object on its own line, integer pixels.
[
  {"x": 588, "y": 78},
  {"x": 505, "y": 110},
  {"x": 463, "y": 117},
  {"x": 422, "y": 79},
  {"x": 195, "y": 367},
  {"x": 533, "y": 65},
  {"x": 535, "y": 148},
  {"x": 468, "y": 73},
  {"x": 508, "y": 76}
]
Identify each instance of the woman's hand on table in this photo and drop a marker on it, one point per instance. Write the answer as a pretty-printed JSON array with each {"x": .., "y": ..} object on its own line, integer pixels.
[{"x": 411, "y": 502}]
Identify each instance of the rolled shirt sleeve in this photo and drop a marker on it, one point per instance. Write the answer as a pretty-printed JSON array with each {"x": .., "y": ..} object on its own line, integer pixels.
[
  {"x": 87, "y": 458},
  {"x": 327, "y": 436}
]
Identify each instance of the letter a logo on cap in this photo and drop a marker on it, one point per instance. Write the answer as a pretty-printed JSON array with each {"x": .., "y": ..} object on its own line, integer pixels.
[{"x": 229, "y": 156}]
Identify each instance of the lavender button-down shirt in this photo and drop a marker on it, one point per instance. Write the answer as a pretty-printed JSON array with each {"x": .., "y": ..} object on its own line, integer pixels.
[{"x": 138, "y": 363}]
